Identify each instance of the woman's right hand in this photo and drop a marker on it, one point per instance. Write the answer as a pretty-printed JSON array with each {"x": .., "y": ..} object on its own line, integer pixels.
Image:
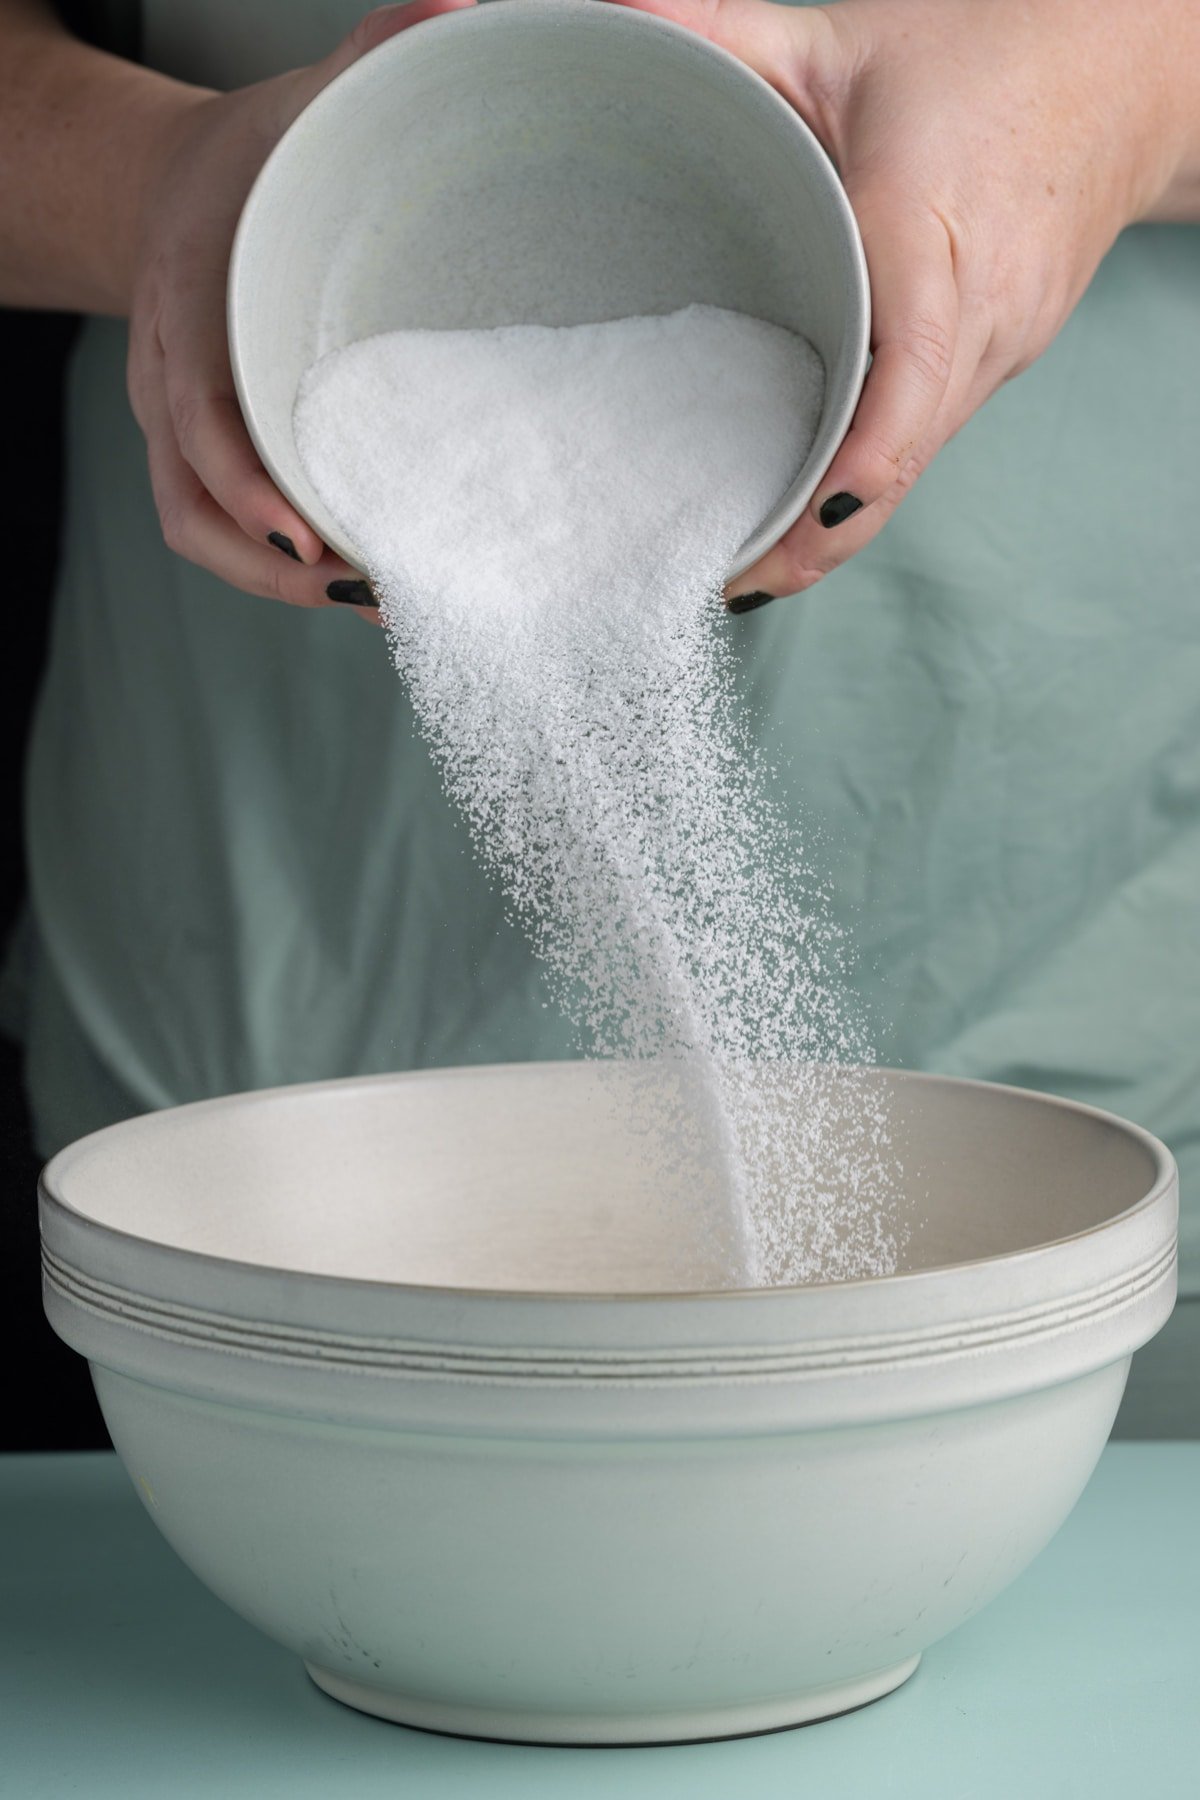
[
  {"x": 218, "y": 506},
  {"x": 992, "y": 153}
]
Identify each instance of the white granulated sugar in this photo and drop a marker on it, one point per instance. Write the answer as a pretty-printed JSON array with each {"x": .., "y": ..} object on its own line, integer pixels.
[{"x": 548, "y": 515}]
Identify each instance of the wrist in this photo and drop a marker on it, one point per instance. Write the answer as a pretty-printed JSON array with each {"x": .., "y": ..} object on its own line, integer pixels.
[
  {"x": 83, "y": 133},
  {"x": 1174, "y": 198},
  {"x": 139, "y": 120},
  {"x": 1170, "y": 165},
  {"x": 155, "y": 128}
]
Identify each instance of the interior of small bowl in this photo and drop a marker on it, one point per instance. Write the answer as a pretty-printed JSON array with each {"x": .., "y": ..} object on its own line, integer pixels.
[
  {"x": 546, "y": 163},
  {"x": 540, "y": 1178}
]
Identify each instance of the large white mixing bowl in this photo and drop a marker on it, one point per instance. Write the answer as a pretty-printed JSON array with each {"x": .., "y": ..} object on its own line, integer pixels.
[{"x": 407, "y": 1372}]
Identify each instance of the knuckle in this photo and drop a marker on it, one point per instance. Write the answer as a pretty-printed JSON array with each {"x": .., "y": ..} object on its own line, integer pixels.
[
  {"x": 895, "y": 497},
  {"x": 1023, "y": 360},
  {"x": 909, "y": 475},
  {"x": 173, "y": 517},
  {"x": 281, "y": 584},
  {"x": 883, "y": 450},
  {"x": 146, "y": 313},
  {"x": 135, "y": 379},
  {"x": 273, "y": 584},
  {"x": 1009, "y": 349},
  {"x": 930, "y": 350},
  {"x": 250, "y": 506},
  {"x": 801, "y": 570},
  {"x": 137, "y": 389},
  {"x": 185, "y": 408}
]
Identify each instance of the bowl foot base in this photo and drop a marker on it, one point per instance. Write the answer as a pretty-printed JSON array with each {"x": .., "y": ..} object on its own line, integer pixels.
[{"x": 706, "y": 1723}]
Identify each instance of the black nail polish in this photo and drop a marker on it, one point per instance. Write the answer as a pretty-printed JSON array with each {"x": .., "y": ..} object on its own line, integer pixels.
[
  {"x": 838, "y": 508},
  {"x": 279, "y": 542},
  {"x": 743, "y": 603},
  {"x": 351, "y": 593}
]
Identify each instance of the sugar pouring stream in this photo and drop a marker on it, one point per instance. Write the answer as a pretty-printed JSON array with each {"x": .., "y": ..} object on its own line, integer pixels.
[{"x": 547, "y": 514}]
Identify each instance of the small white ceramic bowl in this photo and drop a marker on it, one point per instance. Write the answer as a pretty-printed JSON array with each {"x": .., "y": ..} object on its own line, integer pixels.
[
  {"x": 548, "y": 162},
  {"x": 407, "y": 1372}
]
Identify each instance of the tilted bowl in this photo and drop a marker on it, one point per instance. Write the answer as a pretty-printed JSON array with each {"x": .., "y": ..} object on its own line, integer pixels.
[
  {"x": 409, "y": 1373},
  {"x": 550, "y": 162}
]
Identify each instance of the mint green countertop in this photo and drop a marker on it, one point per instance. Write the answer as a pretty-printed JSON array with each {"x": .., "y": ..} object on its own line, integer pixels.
[{"x": 121, "y": 1676}]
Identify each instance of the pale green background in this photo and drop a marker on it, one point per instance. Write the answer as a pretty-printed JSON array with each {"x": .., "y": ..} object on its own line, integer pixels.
[{"x": 244, "y": 872}]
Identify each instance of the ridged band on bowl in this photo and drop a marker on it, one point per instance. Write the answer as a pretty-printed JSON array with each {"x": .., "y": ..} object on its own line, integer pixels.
[{"x": 779, "y": 1360}]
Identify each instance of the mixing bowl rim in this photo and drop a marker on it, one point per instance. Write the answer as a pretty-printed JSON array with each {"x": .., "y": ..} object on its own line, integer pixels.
[
  {"x": 832, "y": 428},
  {"x": 53, "y": 1201}
]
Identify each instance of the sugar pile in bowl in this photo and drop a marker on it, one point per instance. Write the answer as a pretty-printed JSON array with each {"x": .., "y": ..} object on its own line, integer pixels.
[{"x": 547, "y": 515}]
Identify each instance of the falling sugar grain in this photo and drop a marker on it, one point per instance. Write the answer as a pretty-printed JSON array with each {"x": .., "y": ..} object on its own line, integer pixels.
[{"x": 548, "y": 515}]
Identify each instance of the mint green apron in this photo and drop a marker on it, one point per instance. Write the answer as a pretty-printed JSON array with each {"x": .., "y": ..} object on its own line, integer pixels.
[{"x": 244, "y": 872}]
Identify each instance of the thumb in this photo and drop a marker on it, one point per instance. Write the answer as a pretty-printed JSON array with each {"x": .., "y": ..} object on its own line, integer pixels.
[{"x": 375, "y": 29}]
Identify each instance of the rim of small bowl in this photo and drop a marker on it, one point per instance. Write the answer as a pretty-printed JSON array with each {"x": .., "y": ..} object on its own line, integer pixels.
[
  {"x": 832, "y": 427},
  {"x": 1165, "y": 1176}
]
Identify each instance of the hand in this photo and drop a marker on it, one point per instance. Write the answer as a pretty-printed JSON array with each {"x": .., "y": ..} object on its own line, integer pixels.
[
  {"x": 992, "y": 151},
  {"x": 217, "y": 505}
]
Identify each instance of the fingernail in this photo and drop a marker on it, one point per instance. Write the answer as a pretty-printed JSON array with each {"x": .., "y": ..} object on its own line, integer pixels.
[
  {"x": 285, "y": 544},
  {"x": 741, "y": 603},
  {"x": 351, "y": 593},
  {"x": 838, "y": 508}
]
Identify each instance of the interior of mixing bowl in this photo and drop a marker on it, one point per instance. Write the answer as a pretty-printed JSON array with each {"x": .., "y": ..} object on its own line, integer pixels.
[
  {"x": 540, "y": 163},
  {"x": 531, "y": 1178}
]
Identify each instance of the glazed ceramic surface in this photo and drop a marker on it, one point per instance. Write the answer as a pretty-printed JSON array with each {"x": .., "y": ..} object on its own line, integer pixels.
[
  {"x": 421, "y": 1376},
  {"x": 549, "y": 162}
]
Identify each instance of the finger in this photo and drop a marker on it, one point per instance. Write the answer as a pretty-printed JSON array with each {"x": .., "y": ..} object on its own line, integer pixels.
[
  {"x": 180, "y": 380},
  {"x": 915, "y": 349},
  {"x": 913, "y": 339},
  {"x": 192, "y": 442},
  {"x": 809, "y": 552},
  {"x": 198, "y": 529},
  {"x": 211, "y": 436}
]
